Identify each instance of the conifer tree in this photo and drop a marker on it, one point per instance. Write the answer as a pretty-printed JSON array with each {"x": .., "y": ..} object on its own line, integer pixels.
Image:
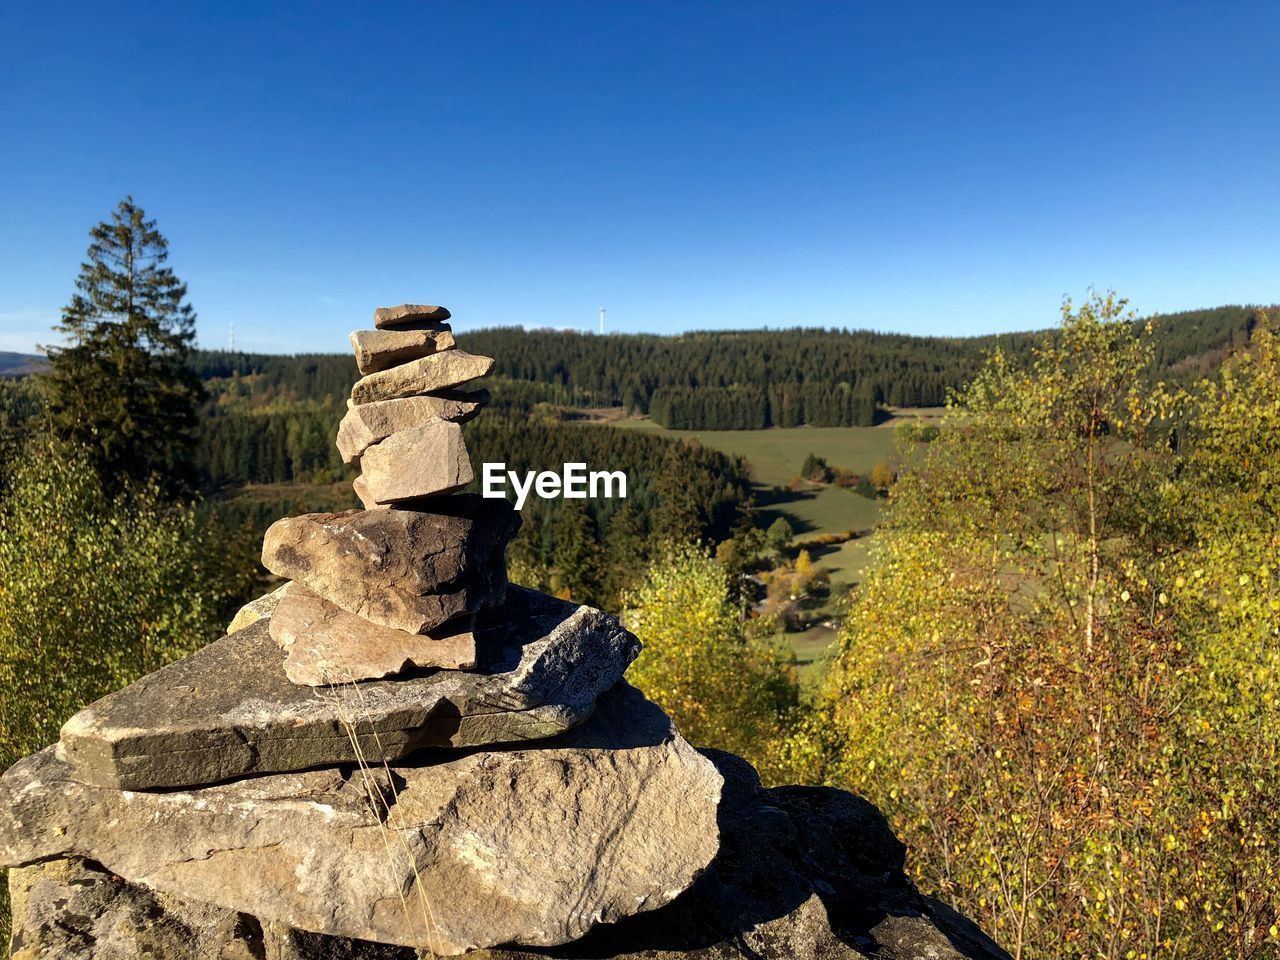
[
  {"x": 577, "y": 556},
  {"x": 121, "y": 386}
]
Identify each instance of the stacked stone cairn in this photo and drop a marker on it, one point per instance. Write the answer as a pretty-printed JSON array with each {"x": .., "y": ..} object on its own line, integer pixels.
[
  {"x": 396, "y": 754},
  {"x": 397, "y": 585}
]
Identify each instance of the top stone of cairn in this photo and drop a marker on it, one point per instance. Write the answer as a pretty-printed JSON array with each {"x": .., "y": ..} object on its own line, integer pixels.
[{"x": 385, "y": 318}]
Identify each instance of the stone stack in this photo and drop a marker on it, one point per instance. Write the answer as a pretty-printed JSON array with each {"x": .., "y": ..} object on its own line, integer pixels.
[
  {"x": 397, "y": 754},
  {"x": 396, "y": 586}
]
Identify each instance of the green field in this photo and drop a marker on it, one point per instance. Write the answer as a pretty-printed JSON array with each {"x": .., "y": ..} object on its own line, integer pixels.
[{"x": 776, "y": 456}]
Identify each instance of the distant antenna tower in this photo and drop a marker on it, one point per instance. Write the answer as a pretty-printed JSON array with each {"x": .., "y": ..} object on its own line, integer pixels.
[
  {"x": 602, "y": 319},
  {"x": 232, "y": 338}
]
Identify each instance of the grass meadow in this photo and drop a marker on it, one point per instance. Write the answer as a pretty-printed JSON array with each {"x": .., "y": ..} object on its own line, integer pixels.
[{"x": 776, "y": 456}]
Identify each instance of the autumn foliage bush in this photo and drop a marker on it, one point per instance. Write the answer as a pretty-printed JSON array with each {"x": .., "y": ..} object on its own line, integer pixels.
[
  {"x": 723, "y": 686},
  {"x": 1060, "y": 678}
]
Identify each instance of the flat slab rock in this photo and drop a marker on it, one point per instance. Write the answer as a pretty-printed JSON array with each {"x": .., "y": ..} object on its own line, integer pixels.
[
  {"x": 381, "y": 349},
  {"x": 534, "y": 846},
  {"x": 409, "y": 570},
  {"x": 367, "y": 423},
  {"x": 229, "y": 710},
  {"x": 408, "y": 313},
  {"x": 430, "y": 374},
  {"x": 325, "y": 646},
  {"x": 424, "y": 461}
]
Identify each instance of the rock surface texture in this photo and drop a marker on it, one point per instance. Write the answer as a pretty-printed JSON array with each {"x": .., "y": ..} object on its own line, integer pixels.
[
  {"x": 446, "y": 853},
  {"x": 381, "y": 349},
  {"x": 367, "y": 423},
  {"x": 325, "y": 645},
  {"x": 431, "y": 374},
  {"x": 416, "y": 463},
  {"x": 801, "y": 874},
  {"x": 407, "y": 570},
  {"x": 256, "y": 610},
  {"x": 229, "y": 711}
]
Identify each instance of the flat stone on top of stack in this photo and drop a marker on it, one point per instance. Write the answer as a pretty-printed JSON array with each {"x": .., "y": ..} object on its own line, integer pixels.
[{"x": 408, "y": 313}]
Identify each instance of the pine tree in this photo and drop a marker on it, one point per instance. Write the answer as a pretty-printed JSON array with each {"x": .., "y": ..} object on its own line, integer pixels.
[
  {"x": 578, "y": 559},
  {"x": 625, "y": 552},
  {"x": 121, "y": 386}
]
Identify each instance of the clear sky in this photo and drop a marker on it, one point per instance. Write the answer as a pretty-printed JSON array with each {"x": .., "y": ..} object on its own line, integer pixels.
[{"x": 931, "y": 168}]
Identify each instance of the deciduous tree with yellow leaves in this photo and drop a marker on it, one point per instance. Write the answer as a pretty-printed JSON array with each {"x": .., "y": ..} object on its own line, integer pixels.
[{"x": 1059, "y": 680}]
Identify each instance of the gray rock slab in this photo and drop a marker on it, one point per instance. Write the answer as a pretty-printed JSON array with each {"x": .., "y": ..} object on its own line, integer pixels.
[
  {"x": 429, "y": 374},
  {"x": 409, "y": 570},
  {"x": 425, "y": 461},
  {"x": 229, "y": 710},
  {"x": 381, "y": 349},
  {"x": 367, "y": 423},
  {"x": 533, "y": 846},
  {"x": 325, "y": 646},
  {"x": 408, "y": 313}
]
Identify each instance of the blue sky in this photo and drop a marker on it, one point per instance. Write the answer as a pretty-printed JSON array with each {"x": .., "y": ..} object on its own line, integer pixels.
[{"x": 928, "y": 168}]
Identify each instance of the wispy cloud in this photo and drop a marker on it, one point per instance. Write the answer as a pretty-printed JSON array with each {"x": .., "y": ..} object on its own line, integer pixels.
[{"x": 21, "y": 330}]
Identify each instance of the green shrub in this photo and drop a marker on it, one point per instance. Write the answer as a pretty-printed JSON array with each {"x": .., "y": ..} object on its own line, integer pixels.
[
  {"x": 722, "y": 688},
  {"x": 95, "y": 591},
  {"x": 1060, "y": 680}
]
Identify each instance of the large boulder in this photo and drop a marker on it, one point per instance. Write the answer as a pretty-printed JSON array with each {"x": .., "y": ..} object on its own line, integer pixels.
[
  {"x": 408, "y": 570},
  {"x": 430, "y": 374},
  {"x": 445, "y": 852},
  {"x": 802, "y": 874},
  {"x": 229, "y": 710}
]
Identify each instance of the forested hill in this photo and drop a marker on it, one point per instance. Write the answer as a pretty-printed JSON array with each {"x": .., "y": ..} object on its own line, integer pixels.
[
  {"x": 737, "y": 380},
  {"x": 761, "y": 378}
]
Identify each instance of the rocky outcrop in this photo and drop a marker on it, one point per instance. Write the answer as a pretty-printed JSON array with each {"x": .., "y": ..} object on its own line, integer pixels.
[
  {"x": 229, "y": 710},
  {"x": 447, "y": 852},
  {"x": 800, "y": 874}
]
